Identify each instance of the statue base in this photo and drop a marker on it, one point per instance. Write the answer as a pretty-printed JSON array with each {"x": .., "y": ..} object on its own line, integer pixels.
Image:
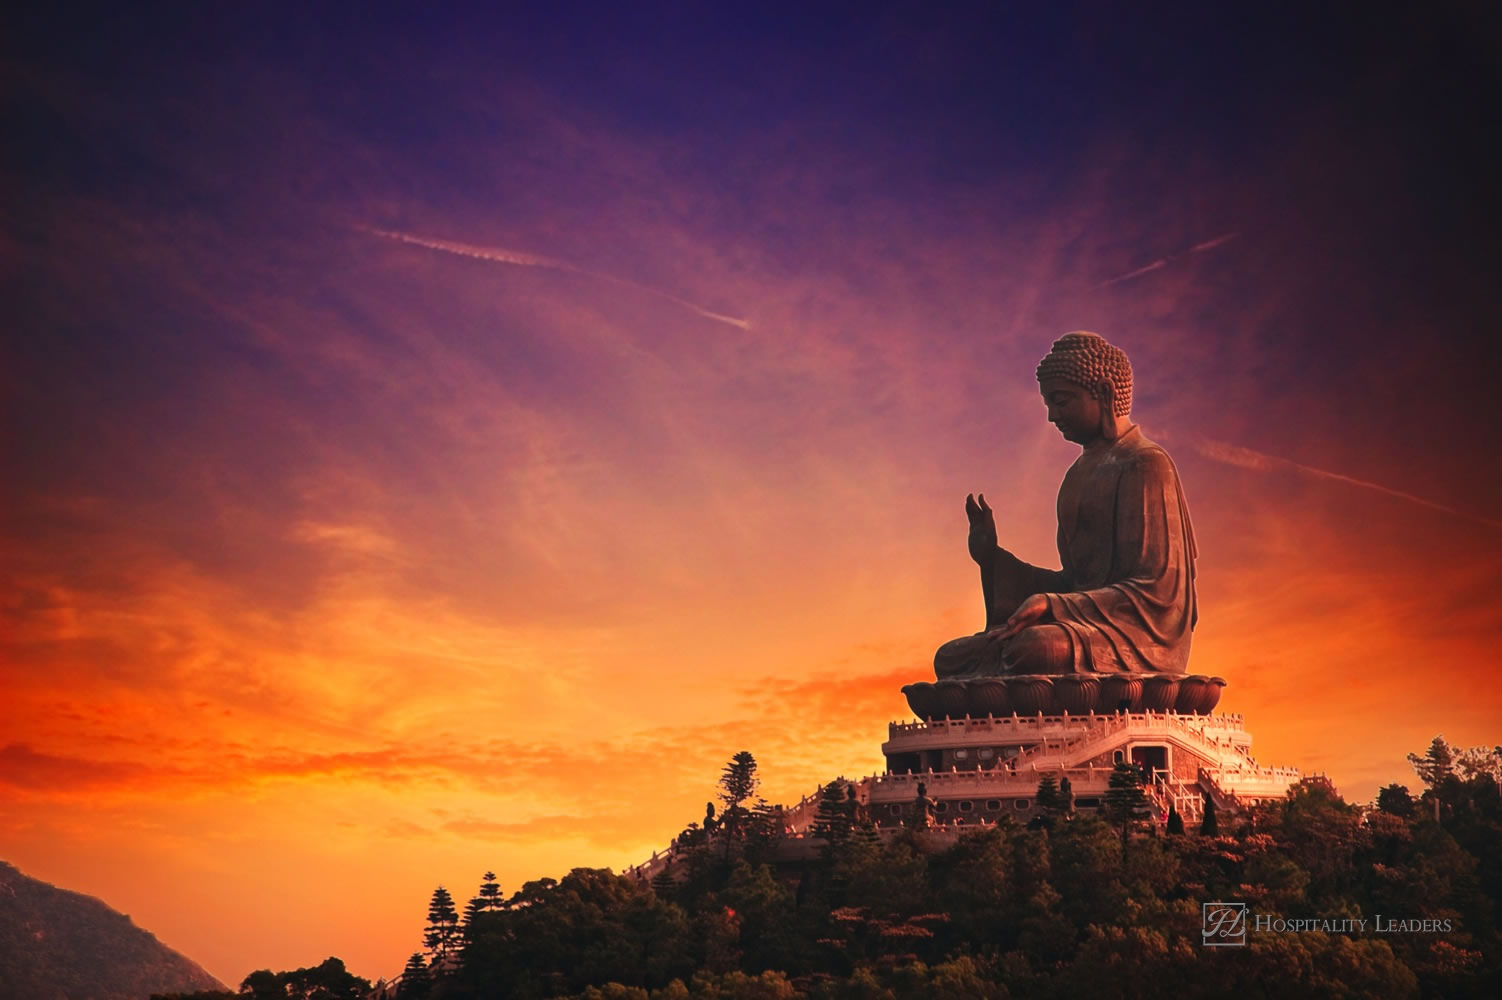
[{"x": 1055, "y": 694}]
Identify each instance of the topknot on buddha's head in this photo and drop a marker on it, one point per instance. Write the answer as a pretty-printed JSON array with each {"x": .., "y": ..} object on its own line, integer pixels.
[{"x": 1086, "y": 359}]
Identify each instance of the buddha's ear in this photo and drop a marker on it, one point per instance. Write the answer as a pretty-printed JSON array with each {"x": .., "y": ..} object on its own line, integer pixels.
[{"x": 1106, "y": 394}]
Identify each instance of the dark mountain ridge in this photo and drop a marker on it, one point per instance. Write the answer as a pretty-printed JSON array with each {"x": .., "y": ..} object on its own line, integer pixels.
[{"x": 62, "y": 945}]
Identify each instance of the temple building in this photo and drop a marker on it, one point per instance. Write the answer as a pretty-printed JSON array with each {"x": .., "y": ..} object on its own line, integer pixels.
[{"x": 978, "y": 768}]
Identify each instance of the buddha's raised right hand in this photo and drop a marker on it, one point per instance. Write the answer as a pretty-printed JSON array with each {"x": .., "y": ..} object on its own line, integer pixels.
[{"x": 982, "y": 529}]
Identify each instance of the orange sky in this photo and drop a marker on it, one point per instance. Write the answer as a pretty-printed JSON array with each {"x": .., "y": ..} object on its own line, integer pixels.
[{"x": 335, "y": 567}]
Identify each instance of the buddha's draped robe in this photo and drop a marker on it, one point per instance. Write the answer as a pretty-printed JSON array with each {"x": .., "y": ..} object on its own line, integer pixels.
[{"x": 1125, "y": 594}]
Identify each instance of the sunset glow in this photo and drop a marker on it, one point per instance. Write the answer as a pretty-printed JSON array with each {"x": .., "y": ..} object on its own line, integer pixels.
[{"x": 420, "y": 460}]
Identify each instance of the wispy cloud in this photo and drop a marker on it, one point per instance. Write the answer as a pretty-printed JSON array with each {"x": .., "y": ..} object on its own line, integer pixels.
[
  {"x": 500, "y": 255},
  {"x": 1167, "y": 259},
  {"x": 1247, "y": 458}
]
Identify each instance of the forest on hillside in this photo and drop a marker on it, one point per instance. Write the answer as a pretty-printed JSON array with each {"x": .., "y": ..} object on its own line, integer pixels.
[{"x": 1110, "y": 904}]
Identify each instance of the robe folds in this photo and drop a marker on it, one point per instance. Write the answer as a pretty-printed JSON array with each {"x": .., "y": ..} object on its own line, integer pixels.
[{"x": 1125, "y": 595}]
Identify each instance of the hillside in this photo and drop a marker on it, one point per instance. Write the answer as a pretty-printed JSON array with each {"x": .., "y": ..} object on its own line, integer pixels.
[{"x": 61, "y": 945}]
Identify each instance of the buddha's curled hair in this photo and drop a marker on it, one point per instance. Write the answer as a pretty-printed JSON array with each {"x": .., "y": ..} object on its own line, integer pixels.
[{"x": 1086, "y": 359}]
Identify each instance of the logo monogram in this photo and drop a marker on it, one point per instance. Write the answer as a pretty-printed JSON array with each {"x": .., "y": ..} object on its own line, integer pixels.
[{"x": 1223, "y": 925}]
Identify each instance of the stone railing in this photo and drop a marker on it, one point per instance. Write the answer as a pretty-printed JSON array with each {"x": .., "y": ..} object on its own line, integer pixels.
[
  {"x": 942, "y": 732},
  {"x": 1185, "y": 796},
  {"x": 1229, "y": 720},
  {"x": 1061, "y": 738},
  {"x": 1249, "y": 782},
  {"x": 887, "y": 788}
]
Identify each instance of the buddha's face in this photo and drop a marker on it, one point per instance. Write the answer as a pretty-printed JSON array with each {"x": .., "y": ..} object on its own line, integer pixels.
[{"x": 1071, "y": 409}]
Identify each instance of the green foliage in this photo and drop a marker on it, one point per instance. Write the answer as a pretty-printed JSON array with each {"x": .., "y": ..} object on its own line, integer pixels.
[
  {"x": 416, "y": 980},
  {"x": 590, "y": 928},
  {"x": 1175, "y": 822},
  {"x": 442, "y": 937},
  {"x": 1125, "y": 799},
  {"x": 764, "y": 825},
  {"x": 1006, "y": 911},
  {"x": 1437, "y": 763},
  {"x": 1209, "y": 823},
  {"x": 490, "y": 892},
  {"x": 738, "y": 781},
  {"x": 1395, "y": 799},
  {"x": 1047, "y": 796},
  {"x": 487, "y": 898},
  {"x": 833, "y": 823},
  {"x": 56, "y": 943},
  {"x": 1480, "y": 762},
  {"x": 329, "y": 980},
  {"x": 663, "y": 883}
]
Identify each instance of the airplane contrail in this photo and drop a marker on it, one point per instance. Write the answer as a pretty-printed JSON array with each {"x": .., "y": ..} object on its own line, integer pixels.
[
  {"x": 1246, "y": 458},
  {"x": 1164, "y": 261},
  {"x": 500, "y": 255}
]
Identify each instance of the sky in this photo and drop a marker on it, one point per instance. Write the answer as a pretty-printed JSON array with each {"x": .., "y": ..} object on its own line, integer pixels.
[{"x": 435, "y": 443}]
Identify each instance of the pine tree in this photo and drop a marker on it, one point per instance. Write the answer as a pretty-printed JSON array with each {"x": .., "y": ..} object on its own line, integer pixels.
[
  {"x": 1437, "y": 764},
  {"x": 663, "y": 883},
  {"x": 738, "y": 782},
  {"x": 472, "y": 909},
  {"x": 764, "y": 826},
  {"x": 1047, "y": 796},
  {"x": 1125, "y": 799},
  {"x": 1209, "y": 826},
  {"x": 416, "y": 982},
  {"x": 866, "y": 838},
  {"x": 1175, "y": 821},
  {"x": 442, "y": 935},
  {"x": 832, "y": 822},
  {"x": 490, "y": 892}
]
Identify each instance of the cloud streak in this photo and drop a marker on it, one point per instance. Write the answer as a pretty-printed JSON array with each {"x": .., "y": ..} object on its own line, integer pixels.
[
  {"x": 500, "y": 255},
  {"x": 1246, "y": 458},
  {"x": 1164, "y": 261}
]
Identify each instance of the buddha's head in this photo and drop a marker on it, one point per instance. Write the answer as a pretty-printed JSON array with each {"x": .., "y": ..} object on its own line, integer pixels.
[{"x": 1086, "y": 385}]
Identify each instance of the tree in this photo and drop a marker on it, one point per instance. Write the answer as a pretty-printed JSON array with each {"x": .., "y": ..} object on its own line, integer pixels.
[
  {"x": 490, "y": 892},
  {"x": 472, "y": 909},
  {"x": 1125, "y": 799},
  {"x": 1175, "y": 821},
  {"x": 1396, "y": 799},
  {"x": 1209, "y": 826},
  {"x": 484, "y": 901},
  {"x": 1047, "y": 796},
  {"x": 263, "y": 984},
  {"x": 442, "y": 936},
  {"x": 663, "y": 883},
  {"x": 1066, "y": 796},
  {"x": 416, "y": 982},
  {"x": 764, "y": 826},
  {"x": 738, "y": 782},
  {"x": 1478, "y": 762},
  {"x": 329, "y": 980},
  {"x": 1437, "y": 763},
  {"x": 833, "y": 822}
]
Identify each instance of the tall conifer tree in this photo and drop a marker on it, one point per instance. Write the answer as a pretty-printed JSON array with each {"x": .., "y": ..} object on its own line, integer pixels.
[{"x": 442, "y": 936}]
